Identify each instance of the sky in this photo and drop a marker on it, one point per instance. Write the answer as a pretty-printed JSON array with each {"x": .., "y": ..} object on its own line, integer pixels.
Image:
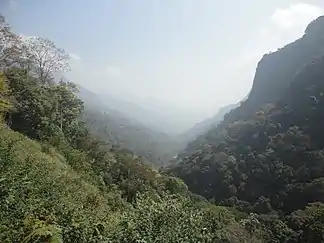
[{"x": 195, "y": 54}]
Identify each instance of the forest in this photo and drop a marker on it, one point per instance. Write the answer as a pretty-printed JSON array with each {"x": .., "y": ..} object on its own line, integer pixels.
[
  {"x": 66, "y": 176},
  {"x": 266, "y": 156}
]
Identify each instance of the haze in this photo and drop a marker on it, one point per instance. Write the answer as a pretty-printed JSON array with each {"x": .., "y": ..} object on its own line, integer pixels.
[{"x": 182, "y": 58}]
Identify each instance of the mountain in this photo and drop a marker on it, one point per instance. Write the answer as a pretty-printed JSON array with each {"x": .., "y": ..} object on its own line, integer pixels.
[
  {"x": 124, "y": 131},
  {"x": 60, "y": 183},
  {"x": 153, "y": 113},
  {"x": 202, "y": 127},
  {"x": 148, "y": 117},
  {"x": 144, "y": 131},
  {"x": 267, "y": 156},
  {"x": 277, "y": 70}
]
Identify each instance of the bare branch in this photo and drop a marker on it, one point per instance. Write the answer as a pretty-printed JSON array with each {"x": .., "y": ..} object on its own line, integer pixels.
[{"x": 45, "y": 58}]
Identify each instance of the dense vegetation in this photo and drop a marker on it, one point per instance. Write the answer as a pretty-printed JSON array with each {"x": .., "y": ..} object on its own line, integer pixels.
[
  {"x": 268, "y": 158},
  {"x": 59, "y": 183}
]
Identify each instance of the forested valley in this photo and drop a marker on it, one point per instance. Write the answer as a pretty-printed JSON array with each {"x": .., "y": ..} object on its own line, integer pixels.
[{"x": 73, "y": 170}]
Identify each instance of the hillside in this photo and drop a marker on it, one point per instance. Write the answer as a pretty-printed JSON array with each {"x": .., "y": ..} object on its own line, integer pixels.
[
  {"x": 122, "y": 133},
  {"x": 205, "y": 125},
  {"x": 125, "y": 132},
  {"x": 60, "y": 183},
  {"x": 146, "y": 113},
  {"x": 266, "y": 157},
  {"x": 277, "y": 70},
  {"x": 47, "y": 196}
]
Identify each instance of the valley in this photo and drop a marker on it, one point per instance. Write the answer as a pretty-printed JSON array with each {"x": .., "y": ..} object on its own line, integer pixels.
[{"x": 77, "y": 166}]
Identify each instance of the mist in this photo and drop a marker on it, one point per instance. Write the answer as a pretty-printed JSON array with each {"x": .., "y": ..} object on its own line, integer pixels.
[{"x": 168, "y": 64}]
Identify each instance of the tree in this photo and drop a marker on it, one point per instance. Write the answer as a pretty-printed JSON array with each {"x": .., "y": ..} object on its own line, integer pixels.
[
  {"x": 45, "y": 111},
  {"x": 66, "y": 109},
  {"x": 44, "y": 58},
  {"x": 5, "y": 104},
  {"x": 10, "y": 45}
]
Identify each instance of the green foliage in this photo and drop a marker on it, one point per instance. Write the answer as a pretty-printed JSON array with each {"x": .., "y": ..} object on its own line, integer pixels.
[
  {"x": 175, "y": 185},
  {"x": 42, "y": 231},
  {"x": 309, "y": 223},
  {"x": 45, "y": 111},
  {"x": 43, "y": 198},
  {"x": 177, "y": 219},
  {"x": 268, "y": 158},
  {"x": 70, "y": 187},
  {"x": 5, "y": 103},
  {"x": 42, "y": 189},
  {"x": 265, "y": 161}
]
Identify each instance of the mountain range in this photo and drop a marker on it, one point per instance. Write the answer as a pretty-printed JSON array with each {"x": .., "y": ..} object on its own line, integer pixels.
[{"x": 139, "y": 129}]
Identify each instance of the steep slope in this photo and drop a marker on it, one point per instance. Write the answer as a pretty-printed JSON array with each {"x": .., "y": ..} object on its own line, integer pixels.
[
  {"x": 274, "y": 74},
  {"x": 277, "y": 70},
  {"x": 91, "y": 99},
  {"x": 267, "y": 155},
  {"x": 202, "y": 127},
  {"x": 49, "y": 197},
  {"x": 66, "y": 186}
]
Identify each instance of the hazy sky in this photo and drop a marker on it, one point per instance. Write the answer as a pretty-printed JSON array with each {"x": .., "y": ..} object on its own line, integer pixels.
[{"x": 199, "y": 54}]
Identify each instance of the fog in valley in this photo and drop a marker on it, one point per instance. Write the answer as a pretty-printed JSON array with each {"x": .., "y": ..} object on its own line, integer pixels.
[{"x": 167, "y": 64}]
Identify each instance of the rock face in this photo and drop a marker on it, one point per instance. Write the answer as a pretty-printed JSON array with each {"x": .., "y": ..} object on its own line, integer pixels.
[{"x": 276, "y": 70}]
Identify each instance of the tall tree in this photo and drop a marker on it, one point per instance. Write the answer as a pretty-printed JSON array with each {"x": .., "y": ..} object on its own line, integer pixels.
[
  {"x": 67, "y": 108},
  {"x": 44, "y": 58}
]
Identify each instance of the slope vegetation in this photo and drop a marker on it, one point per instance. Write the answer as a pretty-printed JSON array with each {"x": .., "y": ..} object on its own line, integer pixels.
[
  {"x": 59, "y": 183},
  {"x": 48, "y": 196},
  {"x": 267, "y": 156}
]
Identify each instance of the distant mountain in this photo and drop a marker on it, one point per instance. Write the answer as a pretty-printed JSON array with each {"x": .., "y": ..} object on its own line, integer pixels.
[
  {"x": 124, "y": 131},
  {"x": 91, "y": 99},
  {"x": 132, "y": 110},
  {"x": 202, "y": 127},
  {"x": 267, "y": 156},
  {"x": 153, "y": 113}
]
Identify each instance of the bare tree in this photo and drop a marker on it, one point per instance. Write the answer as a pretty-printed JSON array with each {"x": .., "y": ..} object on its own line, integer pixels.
[
  {"x": 10, "y": 45},
  {"x": 44, "y": 58}
]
